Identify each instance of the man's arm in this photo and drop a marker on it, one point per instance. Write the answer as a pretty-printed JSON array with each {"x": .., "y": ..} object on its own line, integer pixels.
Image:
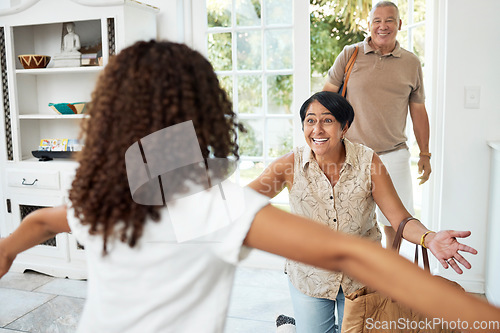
[
  {"x": 330, "y": 87},
  {"x": 420, "y": 121},
  {"x": 336, "y": 72}
]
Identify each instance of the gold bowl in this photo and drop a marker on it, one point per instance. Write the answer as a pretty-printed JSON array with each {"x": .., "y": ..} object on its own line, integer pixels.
[{"x": 30, "y": 61}]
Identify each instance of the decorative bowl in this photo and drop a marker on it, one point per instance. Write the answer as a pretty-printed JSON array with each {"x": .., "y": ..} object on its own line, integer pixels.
[
  {"x": 68, "y": 108},
  {"x": 30, "y": 61}
]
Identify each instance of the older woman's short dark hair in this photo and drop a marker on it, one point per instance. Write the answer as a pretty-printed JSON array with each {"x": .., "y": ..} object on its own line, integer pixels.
[{"x": 338, "y": 106}]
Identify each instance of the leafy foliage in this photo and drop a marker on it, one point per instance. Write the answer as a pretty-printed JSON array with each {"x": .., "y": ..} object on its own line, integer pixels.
[
  {"x": 285, "y": 145},
  {"x": 333, "y": 25},
  {"x": 330, "y": 32},
  {"x": 249, "y": 143},
  {"x": 351, "y": 11}
]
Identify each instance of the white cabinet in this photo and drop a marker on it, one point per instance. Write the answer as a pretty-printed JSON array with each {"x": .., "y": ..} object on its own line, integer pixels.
[
  {"x": 36, "y": 27},
  {"x": 28, "y": 178}
]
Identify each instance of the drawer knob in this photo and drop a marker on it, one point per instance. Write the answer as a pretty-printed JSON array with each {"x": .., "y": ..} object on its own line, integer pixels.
[{"x": 24, "y": 182}]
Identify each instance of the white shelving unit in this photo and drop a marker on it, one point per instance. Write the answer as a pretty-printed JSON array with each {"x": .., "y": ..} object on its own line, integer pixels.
[{"x": 26, "y": 118}]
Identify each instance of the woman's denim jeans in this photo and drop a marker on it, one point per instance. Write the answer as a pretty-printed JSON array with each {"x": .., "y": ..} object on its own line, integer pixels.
[{"x": 316, "y": 315}]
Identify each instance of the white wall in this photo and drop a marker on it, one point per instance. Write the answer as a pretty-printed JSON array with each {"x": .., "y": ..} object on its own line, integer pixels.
[
  {"x": 174, "y": 22},
  {"x": 468, "y": 46},
  {"x": 493, "y": 258}
]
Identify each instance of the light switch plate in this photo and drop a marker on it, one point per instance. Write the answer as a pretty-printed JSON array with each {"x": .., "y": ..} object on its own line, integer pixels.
[{"x": 472, "y": 97}]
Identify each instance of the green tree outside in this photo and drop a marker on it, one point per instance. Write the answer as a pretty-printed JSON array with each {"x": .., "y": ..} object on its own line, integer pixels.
[{"x": 334, "y": 24}]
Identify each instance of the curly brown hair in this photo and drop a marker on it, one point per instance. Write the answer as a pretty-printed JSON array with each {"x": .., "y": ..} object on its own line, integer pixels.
[{"x": 147, "y": 87}]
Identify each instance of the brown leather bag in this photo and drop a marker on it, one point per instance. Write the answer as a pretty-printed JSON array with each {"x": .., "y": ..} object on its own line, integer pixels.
[{"x": 368, "y": 311}]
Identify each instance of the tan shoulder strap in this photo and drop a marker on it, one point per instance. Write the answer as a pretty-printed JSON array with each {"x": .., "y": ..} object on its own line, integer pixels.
[{"x": 348, "y": 69}]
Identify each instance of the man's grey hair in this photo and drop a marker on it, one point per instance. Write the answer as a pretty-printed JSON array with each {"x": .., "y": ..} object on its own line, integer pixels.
[{"x": 383, "y": 4}]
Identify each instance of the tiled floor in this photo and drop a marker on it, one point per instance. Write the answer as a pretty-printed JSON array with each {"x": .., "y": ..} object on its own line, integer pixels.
[{"x": 32, "y": 302}]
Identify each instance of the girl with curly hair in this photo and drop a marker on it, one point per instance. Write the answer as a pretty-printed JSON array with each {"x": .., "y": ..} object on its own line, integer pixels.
[{"x": 168, "y": 266}]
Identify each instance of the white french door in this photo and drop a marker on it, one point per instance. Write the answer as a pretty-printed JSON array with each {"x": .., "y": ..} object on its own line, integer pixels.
[{"x": 260, "y": 51}]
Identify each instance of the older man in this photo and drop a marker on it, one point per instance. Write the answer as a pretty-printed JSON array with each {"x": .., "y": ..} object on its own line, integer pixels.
[{"x": 385, "y": 82}]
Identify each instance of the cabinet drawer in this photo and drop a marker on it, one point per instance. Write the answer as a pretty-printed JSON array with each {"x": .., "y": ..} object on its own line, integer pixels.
[{"x": 33, "y": 179}]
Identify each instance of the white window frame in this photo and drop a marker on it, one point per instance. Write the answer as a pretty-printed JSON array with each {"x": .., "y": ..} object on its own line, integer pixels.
[
  {"x": 410, "y": 28},
  {"x": 300, "y": 70}
]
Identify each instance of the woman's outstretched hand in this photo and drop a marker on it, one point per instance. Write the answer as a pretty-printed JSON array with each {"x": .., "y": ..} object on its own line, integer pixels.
[{"x": 444, "y": 246}]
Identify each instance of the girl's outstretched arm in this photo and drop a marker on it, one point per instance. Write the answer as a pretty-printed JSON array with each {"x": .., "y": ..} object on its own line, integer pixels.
[
  {"x": 37, "y": 227},
  {"x": 300, "y": 239}
]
